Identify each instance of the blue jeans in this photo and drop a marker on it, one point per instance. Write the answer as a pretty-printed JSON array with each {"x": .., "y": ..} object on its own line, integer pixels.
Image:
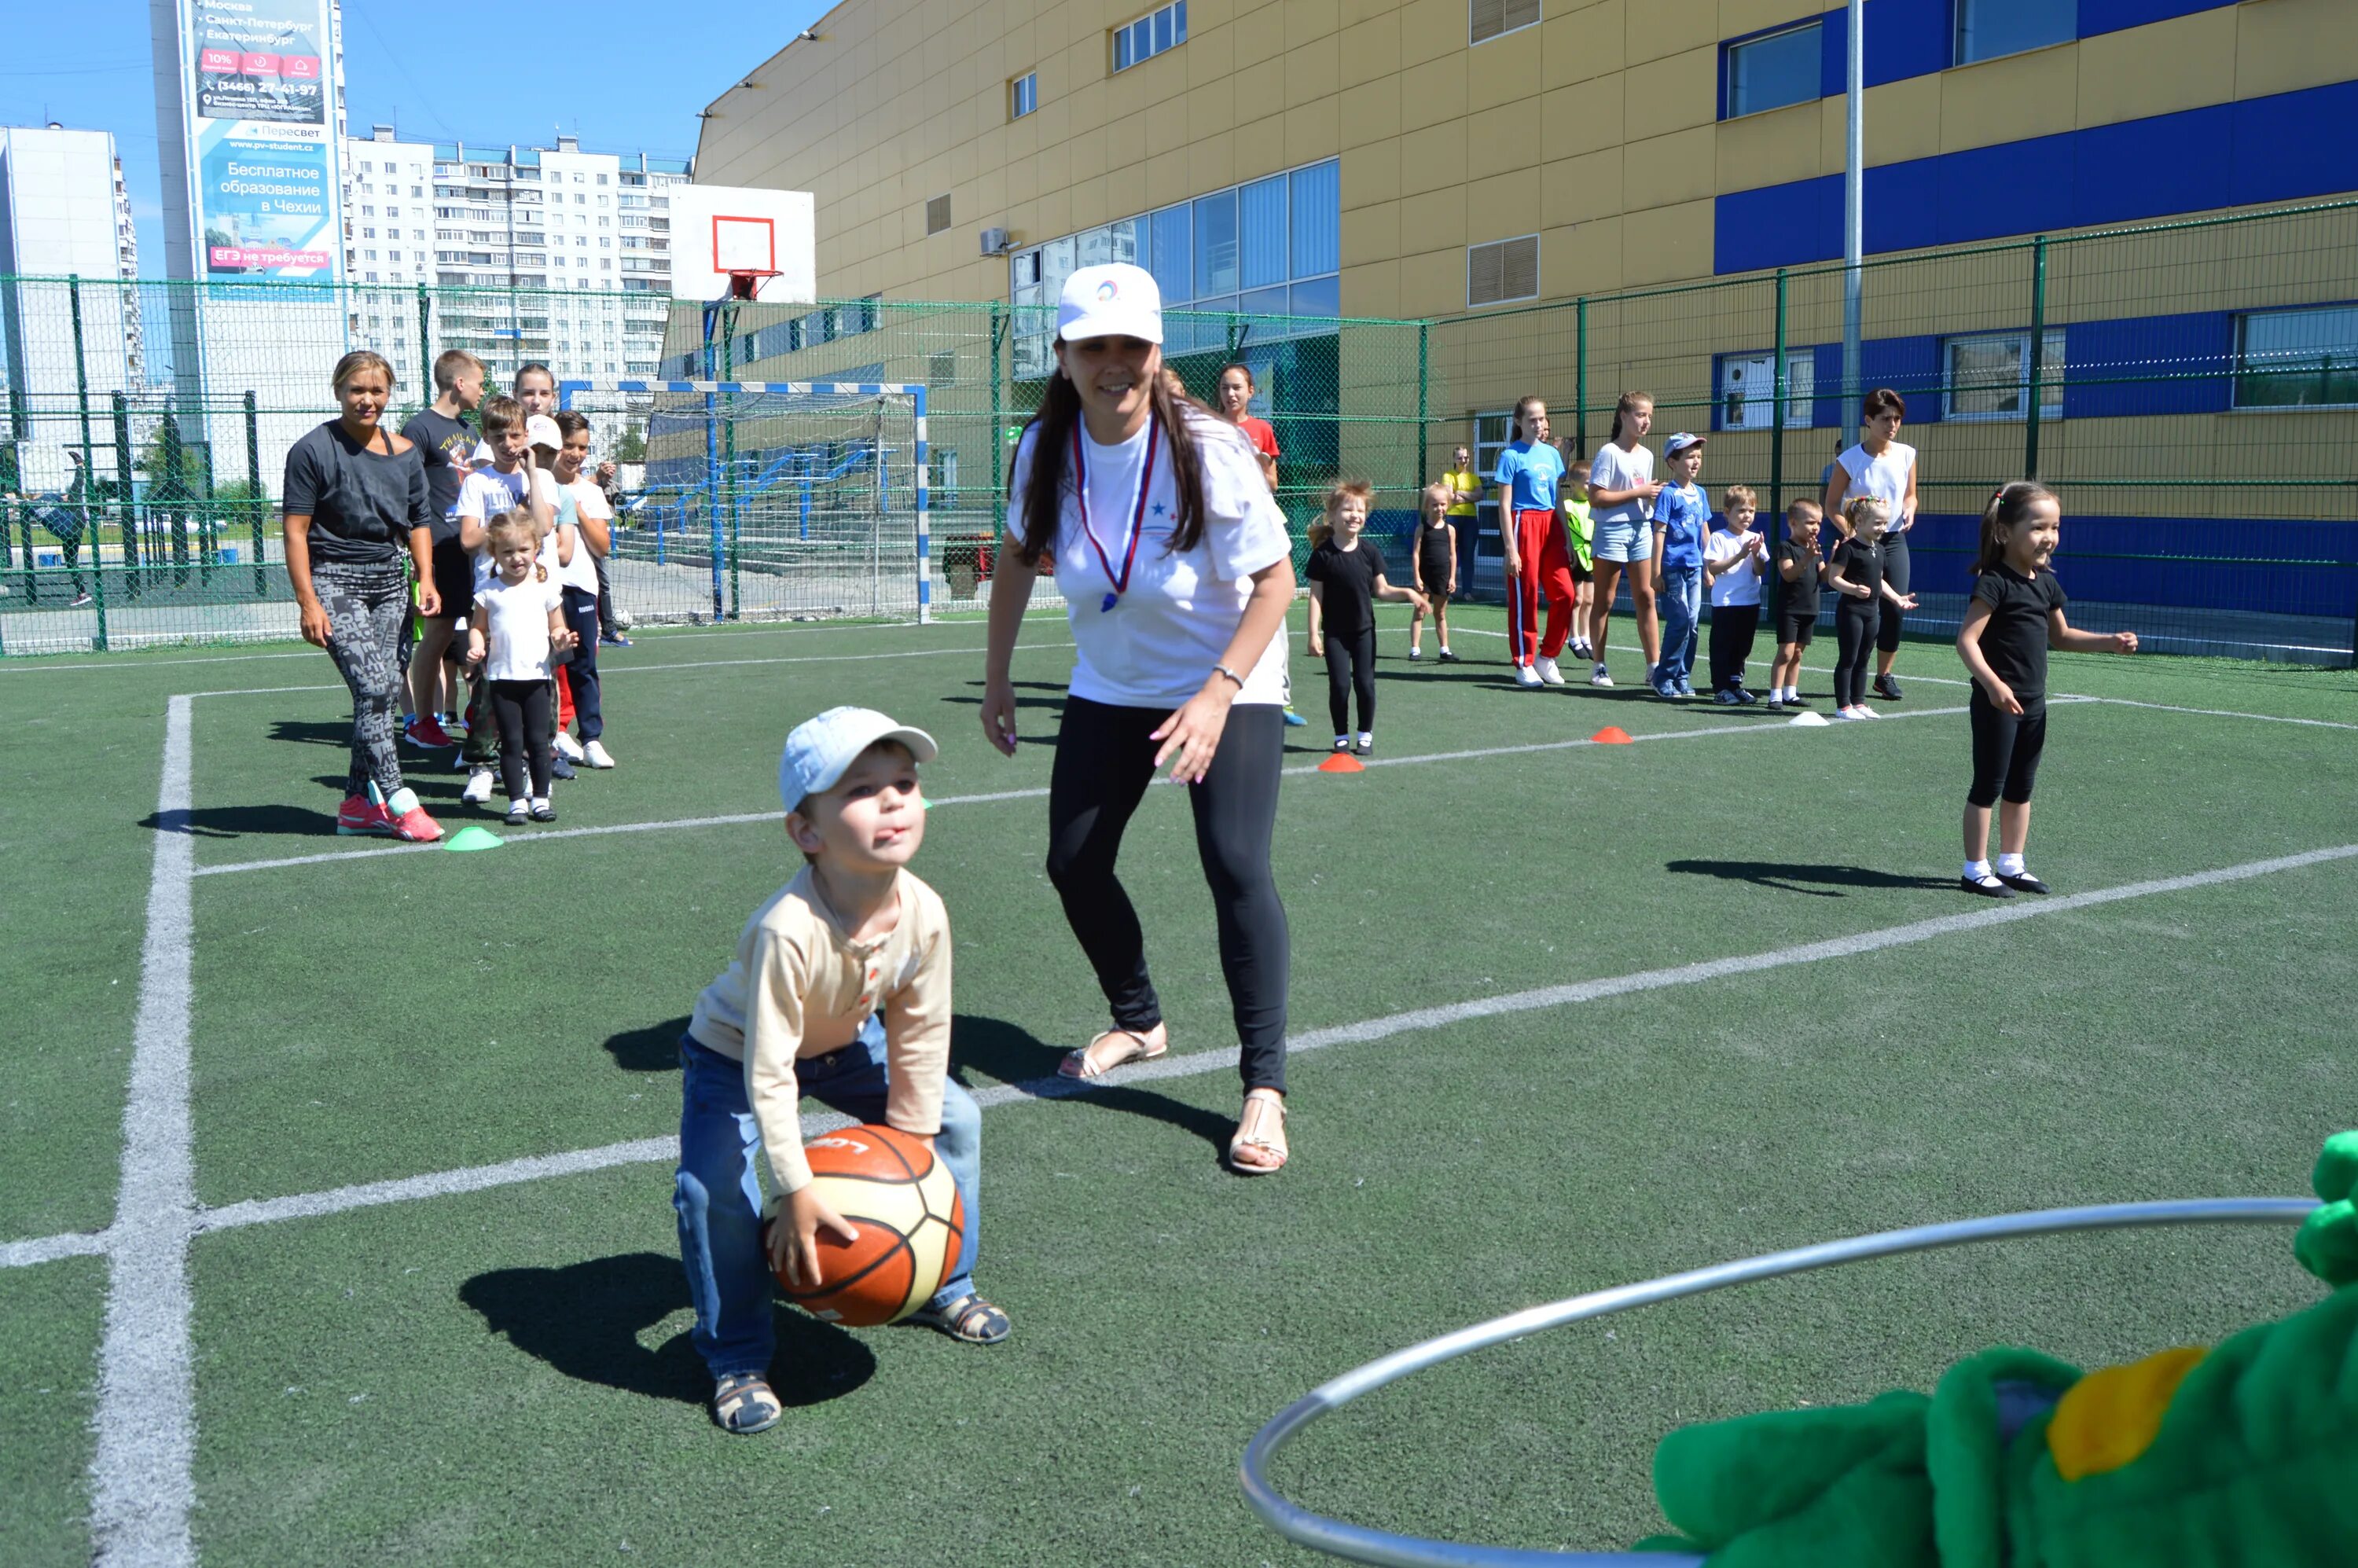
[
  {"x": 1682, "y": 605},
  {"x": 719, "y": 1191}
]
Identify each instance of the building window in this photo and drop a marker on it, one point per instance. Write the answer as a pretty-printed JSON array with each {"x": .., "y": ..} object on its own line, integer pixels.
[
  {"x": 1151, "y": 34},
  {"x": 941, "y": 369},
  {"x": 1024, "y": 95},
  {"x": 1988, "y": 375},
  {"x": 1489, "y": 19},
  {"x": 1771, "y": 72},
  {"x": 1988, "y": 29},
  {"x": 2297, "y": 359},
  {"x": 1748, "y": 385},
  {"x": 1502, "y": 270},
  {"x": 937, "y": 214}
]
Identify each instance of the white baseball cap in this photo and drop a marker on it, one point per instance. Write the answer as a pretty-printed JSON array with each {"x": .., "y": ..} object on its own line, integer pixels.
[
  {"x": 1112, "y": 300},
  {"x": 540, "y": 430},
  {"x": 820, "y": 748},
  {"x": 1681, "y": 442}
]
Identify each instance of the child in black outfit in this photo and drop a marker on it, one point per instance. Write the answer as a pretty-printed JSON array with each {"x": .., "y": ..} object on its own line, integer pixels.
[
  {"x": 1856, "y": 570},
  {"x": 1795, "y": 598},
  {"x": 2015, "y": 616},
  {"x": 1436, "y": 568},
  {"x": 1346, "y": 578}
]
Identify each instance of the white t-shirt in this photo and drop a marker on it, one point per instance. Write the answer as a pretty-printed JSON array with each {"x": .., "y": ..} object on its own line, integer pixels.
[
  {"x": 1884, "y": 478},
  {"x": 488, "y": 488},
  {"x": 586, "y": 500},
  {"x": 1733, "y": 584},
  {"x": 1616, "y": 469},
  {"x": 515, "y": 622},
  {"x": 1164, "y": 634}
]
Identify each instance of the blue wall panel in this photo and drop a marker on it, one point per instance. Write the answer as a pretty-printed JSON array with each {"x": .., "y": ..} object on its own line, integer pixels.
[
  {"x": 1904, "y": 39},
  {"x": 2112, "y": 16},
  {"x": 2290, "y": 147},
  {"x": 2146, "y": 561},
  {"x": 2110, "y": 357}
]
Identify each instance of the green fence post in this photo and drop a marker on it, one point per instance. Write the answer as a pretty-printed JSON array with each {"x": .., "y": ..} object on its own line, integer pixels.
[
  {"x": 89, "y": 475},
  {"x": 1423, "y": 409},
  {"x": 998, "y": 518},
  {"x": 130, "y": 501},
  {"x": 171, "y": 488},
  {"x": 426, "y": 387},
  {"x": 256, "y": 497},
  {"x": 1579, "y": 376},
  {"x": 1777, "y": 425},
  {"x": 2038, "y": 356},
  {"x": 728, "y": 463}
]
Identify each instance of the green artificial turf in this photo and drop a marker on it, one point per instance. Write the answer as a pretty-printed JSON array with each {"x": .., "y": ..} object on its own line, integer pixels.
[{"x": 504, "y": 1375}]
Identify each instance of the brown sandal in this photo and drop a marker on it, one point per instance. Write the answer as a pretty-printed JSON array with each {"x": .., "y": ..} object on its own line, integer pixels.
[
  {"x": 1255, "y": 1131},
  {"x": 1085, "y": 1063}
]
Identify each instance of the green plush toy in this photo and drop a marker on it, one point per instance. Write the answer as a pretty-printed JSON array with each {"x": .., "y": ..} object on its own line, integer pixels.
[{"x": 2243, "y": 1454}]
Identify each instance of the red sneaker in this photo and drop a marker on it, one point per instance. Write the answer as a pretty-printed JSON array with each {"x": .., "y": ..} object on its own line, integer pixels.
[
  {"x": 406, "y": 820},
  {"x": 428, "y": 733},
  {"x": 360, "y": 814}
]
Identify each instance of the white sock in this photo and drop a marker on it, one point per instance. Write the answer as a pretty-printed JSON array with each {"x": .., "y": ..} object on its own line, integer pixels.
[
  {"x": 2009, "y": 865},
  {"x": 1366, "y": 737},
  {"x": 1342, "y": 739},
  {"x": 1445, "y": 648},
  {"x": 540, "y": 803},
  {"x": 518, "y": 805},
  {"x": 1977, "y": 869},
  {"x": 1792, "y": 693}
]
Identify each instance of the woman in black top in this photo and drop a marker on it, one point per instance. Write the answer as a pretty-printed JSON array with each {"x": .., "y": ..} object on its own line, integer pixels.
[
  {"x": 1346, "y": 578},
  {"x": 356, "y": 503},
  {"x": 2015, "y": 616}
]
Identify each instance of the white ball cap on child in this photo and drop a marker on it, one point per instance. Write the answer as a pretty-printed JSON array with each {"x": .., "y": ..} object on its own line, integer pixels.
[
  {"x": 820, "y": 748},
  {"x": 1111, "y": 300},
  {"x": 540, "y": 430},
  {"x": 1680, "y": 443}
]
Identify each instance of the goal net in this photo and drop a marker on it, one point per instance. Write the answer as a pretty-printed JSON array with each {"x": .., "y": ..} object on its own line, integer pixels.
[{"x": 759, "y": 501}]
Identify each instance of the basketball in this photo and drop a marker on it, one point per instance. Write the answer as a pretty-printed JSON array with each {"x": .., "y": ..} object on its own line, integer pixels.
[{"x": 902, "y": 1201}]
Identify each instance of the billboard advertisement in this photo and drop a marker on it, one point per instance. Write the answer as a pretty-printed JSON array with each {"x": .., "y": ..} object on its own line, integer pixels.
[{"x": 262, "y": 150}]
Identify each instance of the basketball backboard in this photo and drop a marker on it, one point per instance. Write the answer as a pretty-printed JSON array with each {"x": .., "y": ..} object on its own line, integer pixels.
[{"x": 718, "y": 229}]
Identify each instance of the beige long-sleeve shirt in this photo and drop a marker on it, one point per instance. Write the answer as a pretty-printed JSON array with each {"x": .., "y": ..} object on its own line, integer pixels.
[{"x": 799, "y": 987}]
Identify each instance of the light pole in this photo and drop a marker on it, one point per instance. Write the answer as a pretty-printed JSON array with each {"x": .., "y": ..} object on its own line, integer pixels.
[{"x": 1854, "y": 206}]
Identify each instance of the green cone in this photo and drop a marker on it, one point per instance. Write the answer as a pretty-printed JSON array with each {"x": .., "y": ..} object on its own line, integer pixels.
[{"x": 471, "y": 837}]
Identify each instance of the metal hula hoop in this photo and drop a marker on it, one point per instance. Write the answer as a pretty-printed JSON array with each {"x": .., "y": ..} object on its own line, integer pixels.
[{"x": 1361, "y": 1544}]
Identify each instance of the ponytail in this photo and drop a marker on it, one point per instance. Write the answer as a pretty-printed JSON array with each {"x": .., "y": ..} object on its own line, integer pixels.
[
  {"x": 1525, "y": 401},
  {"x": 1047, "y": 479},
  {"x": 1628, "y": 404},
  {"x": 2006, "y": 511}
]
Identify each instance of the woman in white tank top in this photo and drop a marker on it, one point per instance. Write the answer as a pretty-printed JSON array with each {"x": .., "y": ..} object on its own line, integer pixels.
[{"x": 1883, "y": 466}]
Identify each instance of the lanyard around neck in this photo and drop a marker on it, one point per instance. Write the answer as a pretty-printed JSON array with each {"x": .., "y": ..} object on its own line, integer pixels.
[{"x": 1121, "y": 580}]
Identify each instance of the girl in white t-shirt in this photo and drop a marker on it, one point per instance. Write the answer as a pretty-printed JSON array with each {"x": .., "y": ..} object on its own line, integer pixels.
[
  {"x": 1621, "y": 491},
  {"x": 1883, "y": 466},
  {"x": 1178, "y": 572},
  {"x": 515, "y": 625}
]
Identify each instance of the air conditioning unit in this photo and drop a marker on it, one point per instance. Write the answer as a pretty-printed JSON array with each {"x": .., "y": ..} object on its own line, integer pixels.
[{"x": 997, "y": 241}]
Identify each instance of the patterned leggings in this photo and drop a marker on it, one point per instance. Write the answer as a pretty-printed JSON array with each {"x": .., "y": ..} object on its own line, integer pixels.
[{"x": 366, "y": 604}]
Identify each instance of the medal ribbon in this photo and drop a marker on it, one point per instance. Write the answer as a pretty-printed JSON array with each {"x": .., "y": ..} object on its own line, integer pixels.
[{"x": 1121, "y": 580}]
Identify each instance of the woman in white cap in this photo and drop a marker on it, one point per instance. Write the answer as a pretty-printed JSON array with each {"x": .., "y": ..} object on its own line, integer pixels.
[{"x": 1177, "y": 573}]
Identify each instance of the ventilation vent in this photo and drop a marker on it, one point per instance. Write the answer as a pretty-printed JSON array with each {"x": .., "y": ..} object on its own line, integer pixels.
[
  {"x": 1492, "y": 17},
  {"x": 1504, "y": 270},
  {"x": 937, "y": 214}
]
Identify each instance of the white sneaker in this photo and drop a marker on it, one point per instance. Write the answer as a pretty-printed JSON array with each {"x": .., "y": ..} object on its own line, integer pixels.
[
  {"x": 1866, "y": 712},
  {"x": 596, "y": 756},
  {"x": 1846, "y": 714},
  {"x": 1527, "y": 677},
  {"x": 1548, "y": 673},
  {"x": 567, "y": 747},
  {"x": 1600, "y": 676},
  {"x": 478, "y": 787}
]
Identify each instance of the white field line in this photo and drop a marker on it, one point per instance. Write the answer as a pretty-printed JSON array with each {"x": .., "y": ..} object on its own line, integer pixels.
[
  {"x": 142, "y": 1483},
  {"x": 2109, "y": 701},
  {"x": 735, "y": 819},
  {"x": 648, "y": 1151}
]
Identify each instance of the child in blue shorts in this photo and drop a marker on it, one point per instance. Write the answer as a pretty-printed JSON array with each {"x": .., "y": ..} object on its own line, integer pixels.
[{"x": 840, "y": 989}]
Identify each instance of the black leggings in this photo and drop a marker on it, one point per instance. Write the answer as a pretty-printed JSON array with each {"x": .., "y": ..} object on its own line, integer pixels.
[
  {"x": 2006, "y": 748},
  {"x": 1351, "y": 668},
  {"x": 1733, "y": 628},
  {"x": 1104, "y": 759},
  {"x": 1855, "y": 640},
  {"x": 1895, "y": 572},
  {"x": 521, "y": 706}
]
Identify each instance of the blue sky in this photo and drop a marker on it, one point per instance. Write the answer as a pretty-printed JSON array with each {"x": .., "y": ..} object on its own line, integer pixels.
[{"x": 612, "y": 79}]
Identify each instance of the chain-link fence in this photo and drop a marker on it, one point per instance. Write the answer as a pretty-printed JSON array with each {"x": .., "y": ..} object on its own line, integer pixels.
[{"x": 2191, "y": 388}]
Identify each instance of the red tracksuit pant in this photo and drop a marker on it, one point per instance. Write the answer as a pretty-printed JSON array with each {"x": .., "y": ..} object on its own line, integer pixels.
[{"x": 1547, "y": 571}]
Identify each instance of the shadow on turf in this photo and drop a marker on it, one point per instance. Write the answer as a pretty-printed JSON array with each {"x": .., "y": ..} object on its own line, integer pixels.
[
  {"x": 654, "y": 1049},
  {"x": 1829, "y": 881},
  {"x": 243, "y": 821},
  {"x": 587, "y": 1319},
  {"x": 1014, "y": 1055}
]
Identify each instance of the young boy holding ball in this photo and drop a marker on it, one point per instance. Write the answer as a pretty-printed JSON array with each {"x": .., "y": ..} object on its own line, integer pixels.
[{"x": 839, "y": 989}]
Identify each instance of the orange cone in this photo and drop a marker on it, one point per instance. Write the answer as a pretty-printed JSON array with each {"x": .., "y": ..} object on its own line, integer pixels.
[
  {"x": 1342, "y": 763},
  {"x": 1612, "y": 735}
]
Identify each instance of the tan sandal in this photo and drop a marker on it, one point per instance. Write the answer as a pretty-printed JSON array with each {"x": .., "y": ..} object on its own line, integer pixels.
[
  {"x": 1085, "y": 1063},
  {"x": 1255, "y": 1131}
]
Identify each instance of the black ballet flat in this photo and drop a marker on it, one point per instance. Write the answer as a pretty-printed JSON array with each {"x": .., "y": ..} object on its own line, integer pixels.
[
  {"x": 1991, "y": 887},
  {"x": 2024, "y": 883}
]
